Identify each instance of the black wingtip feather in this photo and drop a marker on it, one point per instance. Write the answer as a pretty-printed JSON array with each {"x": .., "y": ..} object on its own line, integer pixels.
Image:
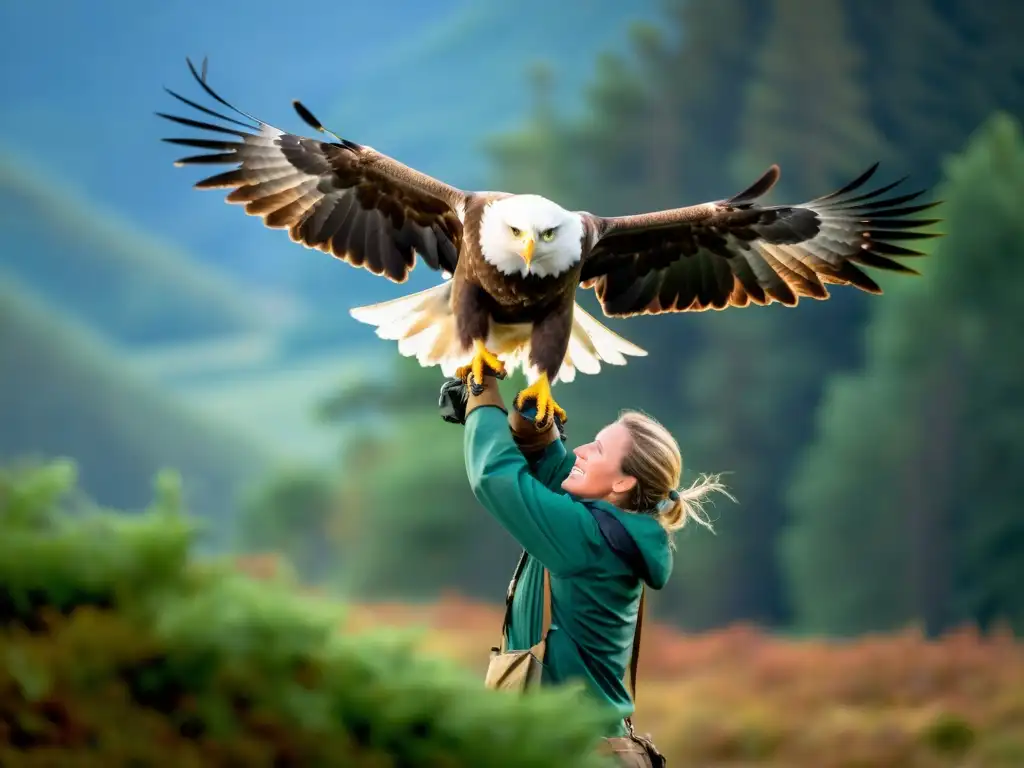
[
  {"x": 224, "y": 157},
  {"x": 200, "y": 124},
  {"x": 866, "y": 206},
  {"x": 870, "y": 258},
  {"x": 901, "y": 211},
  {"x": 210, "y": 112},
  {"x": 310, "y": 120},
  {"x": 902, "y": 234},
  {"x": 857, "y": 182},
  {"x": 759, "y": 188},
  {"x": 307, "y": 116},
  {"x": 885, "y": 248},
  {"x": 883, "y": 223},
  {"x": 201, "y": 79},
  {"x": 868, "y": 195},
  {"x": 205, "y": 143}
]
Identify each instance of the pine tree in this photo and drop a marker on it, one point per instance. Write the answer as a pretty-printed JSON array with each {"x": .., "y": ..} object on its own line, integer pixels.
[
  {"x": 740, "y": 390},
  {"x": 533, "y": 160},
  {"x": 805, "y": 107},
  {"x": 702, "y": 78},
  {"x": 907, "y": 506},
  {"x": 990, "y": 60},
  {"x": 755, "y": 383},
  {"x": 914, "y": 81},
  {"x": 934, "y": 69},
  {"x": 986, "y": 187}
]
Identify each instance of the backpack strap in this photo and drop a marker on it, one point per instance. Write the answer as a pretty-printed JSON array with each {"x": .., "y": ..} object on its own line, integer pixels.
[
  {"x": 634, "y": 662},
  {"x": 619, "y": 540},
  {"x": 510, "y": 594},
  {"x": 539, "y": 648}
]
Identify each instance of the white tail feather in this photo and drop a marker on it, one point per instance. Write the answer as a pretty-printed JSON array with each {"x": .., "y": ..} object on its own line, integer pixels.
[{"x": 424, "y": 326}]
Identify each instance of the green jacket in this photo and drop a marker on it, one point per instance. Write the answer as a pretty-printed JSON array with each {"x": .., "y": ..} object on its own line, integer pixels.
[{"x": 595, "y": 594}]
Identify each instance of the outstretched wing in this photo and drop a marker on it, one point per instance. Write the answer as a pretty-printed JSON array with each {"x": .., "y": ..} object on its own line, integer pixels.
[
  {"x": 339, "y": 197},
  {"x": 734, "y": 252}
]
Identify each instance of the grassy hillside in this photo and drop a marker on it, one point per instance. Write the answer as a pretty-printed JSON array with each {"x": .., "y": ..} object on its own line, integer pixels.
[
  {"x": 274, "y": 403},
  {"x": 99, "y": 268},
  {"x": 65, "y": 393}
]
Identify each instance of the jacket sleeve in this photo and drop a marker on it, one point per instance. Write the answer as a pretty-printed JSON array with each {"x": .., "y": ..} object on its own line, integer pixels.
[
  {"x": 558, "y": 531},
  {"x": 545, "y": 452}
]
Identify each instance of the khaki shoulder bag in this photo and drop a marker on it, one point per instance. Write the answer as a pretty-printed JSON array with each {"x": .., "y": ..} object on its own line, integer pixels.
[{"x": 519, "y": 670}]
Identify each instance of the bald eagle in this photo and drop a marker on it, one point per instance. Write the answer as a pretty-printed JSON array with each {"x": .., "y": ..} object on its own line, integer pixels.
[{"x": 512, "y": 262}]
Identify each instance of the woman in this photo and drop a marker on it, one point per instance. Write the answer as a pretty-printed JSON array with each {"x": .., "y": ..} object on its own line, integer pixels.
[{"x": 557, "y": 505}]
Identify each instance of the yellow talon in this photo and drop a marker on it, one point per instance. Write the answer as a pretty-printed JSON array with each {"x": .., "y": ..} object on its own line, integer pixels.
[
  {"x": 484, "y": 361},
  {"x": 540, "y": 393}
]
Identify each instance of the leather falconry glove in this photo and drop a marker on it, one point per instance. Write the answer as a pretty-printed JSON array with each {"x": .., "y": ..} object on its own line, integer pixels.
[
  {"x": 527, "y": 436},
  {"x": 453, "y": 400}
]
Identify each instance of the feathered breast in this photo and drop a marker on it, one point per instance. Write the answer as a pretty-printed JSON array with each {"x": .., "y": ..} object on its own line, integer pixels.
[{"x": 513, "y": 298}]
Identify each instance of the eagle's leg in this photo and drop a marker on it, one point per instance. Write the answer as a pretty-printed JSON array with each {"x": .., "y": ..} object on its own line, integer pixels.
[
  {"x": 540, "y": 393},
  {"x": 471, "y": 305},
  {"x": 484, "y": 361},
  {"x": 549, "y": 341}
]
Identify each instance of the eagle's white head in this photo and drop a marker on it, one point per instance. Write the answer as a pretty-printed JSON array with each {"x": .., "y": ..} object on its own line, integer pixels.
[{"x": 530, "y": 235}]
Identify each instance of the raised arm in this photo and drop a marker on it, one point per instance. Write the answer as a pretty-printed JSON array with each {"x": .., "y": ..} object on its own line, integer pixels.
[
  {"x": 558, "y": 531},
  {"x": 545, "y": 453},
  {"x": 544, "y": 450}
]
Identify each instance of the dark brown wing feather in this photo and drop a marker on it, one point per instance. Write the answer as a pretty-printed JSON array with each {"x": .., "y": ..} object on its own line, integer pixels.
[
  {"x": 734, "y": 252},
  {"x": 338, "y": 197}
]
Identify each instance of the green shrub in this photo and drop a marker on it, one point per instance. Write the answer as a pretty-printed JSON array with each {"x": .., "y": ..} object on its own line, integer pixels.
[
  {"x": 117, "y": 648},
  {"x": 950, "y": 734}
]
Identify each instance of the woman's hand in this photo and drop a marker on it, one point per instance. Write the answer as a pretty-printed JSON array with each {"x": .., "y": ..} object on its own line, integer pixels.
[
  {"x": 452, "y": 401},
  {"x": 455, "y": 400}
]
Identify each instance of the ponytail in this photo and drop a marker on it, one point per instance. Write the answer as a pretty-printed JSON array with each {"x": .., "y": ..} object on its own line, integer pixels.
[
  {"x": 655, "y": 461},
  {"x": 688, "y": 504}
]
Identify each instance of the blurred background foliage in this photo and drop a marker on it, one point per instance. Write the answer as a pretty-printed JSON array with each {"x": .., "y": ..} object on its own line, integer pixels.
[{"x": 875, "y": 444}]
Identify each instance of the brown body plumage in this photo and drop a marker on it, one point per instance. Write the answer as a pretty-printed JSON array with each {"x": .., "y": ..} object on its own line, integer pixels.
[
  {"x": 372, "y": 211},
  {"x": 481, "y": 294}
]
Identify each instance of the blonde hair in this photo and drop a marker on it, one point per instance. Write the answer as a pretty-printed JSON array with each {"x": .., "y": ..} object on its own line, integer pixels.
[{"x": 655, "y": 461}]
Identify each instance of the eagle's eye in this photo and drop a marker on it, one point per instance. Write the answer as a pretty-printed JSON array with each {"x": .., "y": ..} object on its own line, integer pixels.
[
  {"x": 516, "y": 232},
  {"x": 548, "y": 235}
]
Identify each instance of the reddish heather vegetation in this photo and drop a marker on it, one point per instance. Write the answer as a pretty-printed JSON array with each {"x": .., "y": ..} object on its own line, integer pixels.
[{"x": 741, "y": 697}]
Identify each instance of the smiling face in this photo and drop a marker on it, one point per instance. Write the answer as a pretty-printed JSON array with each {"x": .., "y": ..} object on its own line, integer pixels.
[
  {"x": 597, "y": 473},
  {"x": 530, "y": 235}
]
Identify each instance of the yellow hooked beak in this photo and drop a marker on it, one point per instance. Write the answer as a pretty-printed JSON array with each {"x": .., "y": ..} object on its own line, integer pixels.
[{"x": 528, "y": 246}]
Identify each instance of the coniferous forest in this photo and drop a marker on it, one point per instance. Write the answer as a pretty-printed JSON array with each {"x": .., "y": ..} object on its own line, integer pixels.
[{"x": 314, "y": 552}]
